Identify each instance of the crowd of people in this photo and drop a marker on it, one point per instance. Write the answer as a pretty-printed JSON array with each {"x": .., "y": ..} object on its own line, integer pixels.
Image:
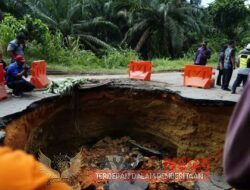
[
  {"x": 227, "y": 63},
  {"x": 236, "y": 150}
]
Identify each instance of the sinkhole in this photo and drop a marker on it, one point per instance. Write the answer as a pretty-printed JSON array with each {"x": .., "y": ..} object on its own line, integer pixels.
[{"x": 159, "y": 119}]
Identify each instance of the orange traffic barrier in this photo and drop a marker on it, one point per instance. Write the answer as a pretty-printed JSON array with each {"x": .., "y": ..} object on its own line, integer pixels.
[
  {"x": 140, "y": 70},
  {"x": 3, "y": 93},
  {"x": 198, "y": 76},
  {"x": 39, "y": 77}
]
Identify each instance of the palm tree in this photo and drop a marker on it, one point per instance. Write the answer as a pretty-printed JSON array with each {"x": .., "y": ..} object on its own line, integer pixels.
[
  {"x": 67, "y": 16},
  {"x": 161, "y": 24},
  {"x": 15, "y": 7},
  {"x": 57, "y": 14},
  {"x": 97, "y": 21}
]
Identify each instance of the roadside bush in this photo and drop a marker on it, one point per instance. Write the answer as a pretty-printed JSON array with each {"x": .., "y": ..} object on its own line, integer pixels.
[
  {"x": 8, "y": 28},
  {"x": 119, "y": 58},
  {"x": 51, "y": 47}
]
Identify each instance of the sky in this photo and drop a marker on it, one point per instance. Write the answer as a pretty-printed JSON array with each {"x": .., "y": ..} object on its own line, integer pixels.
[{"x": 206, "y": 2}]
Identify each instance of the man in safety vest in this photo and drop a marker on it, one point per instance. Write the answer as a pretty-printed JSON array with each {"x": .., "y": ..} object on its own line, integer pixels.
[{"x": 244, "y": 68}]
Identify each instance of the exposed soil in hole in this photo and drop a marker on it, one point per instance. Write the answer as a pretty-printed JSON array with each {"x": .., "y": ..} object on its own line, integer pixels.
[
  {"x": 116, "y": 154},
  {"x": 187, "y": 127}
]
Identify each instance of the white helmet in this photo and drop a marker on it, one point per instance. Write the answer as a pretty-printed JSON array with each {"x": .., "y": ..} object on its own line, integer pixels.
[{"x": 248, "y": 47}]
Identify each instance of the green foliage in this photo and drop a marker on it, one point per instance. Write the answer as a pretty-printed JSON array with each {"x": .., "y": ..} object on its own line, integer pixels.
[
  {"x": 216, "y": 43},
  {"x": 8, "y": 28},
  {"x": 35, "y": 29},
  {"x": 228, "y": 16},
  {"x": 57, "y": 14},
  {"x": 44, "y": 45},
  {"x": 65, "y": 87},
  {"x": 15, "y": 7},
  {"x": 163, "y": 24},
  {"x": 41, "y": 42},
  {"x": 119, "y": 59},
  {"x": 107, "y": 34},
  {"x": 144, "y": 25},
  {"x": 166, "y": 64}
]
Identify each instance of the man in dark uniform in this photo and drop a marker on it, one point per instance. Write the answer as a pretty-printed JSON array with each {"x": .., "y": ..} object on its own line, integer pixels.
[{"x": 229, "y": 65}]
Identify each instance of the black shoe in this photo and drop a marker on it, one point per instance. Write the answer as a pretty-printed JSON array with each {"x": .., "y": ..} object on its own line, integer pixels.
[
  {"x": 226, "y": 89},
  {"x": 233, "y": 92},
  {"x": 17, "y": 95},
  {"x": 218, "y": 84}
]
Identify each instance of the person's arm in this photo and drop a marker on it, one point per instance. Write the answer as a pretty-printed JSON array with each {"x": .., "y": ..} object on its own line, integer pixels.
[
  {"x": 25, "y": 71},
  {"x": 11, "y": 50},
  {"x": 196, "y": 55},
  {"x": 233, "y": 59},
  {"x": 14, "y": 73},
  {"x": 208, "y": 54},
  {"x": 237, "y": 145},
  {"x": 238, "y": 60},
  {"x": 22, "y": 73},
  {"x": 222, "y": 61}
]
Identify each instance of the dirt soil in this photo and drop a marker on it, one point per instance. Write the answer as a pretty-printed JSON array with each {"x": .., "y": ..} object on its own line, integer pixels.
[{"x": 100, "y": 156}]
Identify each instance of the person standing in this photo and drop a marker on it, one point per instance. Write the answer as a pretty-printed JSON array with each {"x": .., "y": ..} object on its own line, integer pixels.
[
  {"x": 244, "y": 68},
  {"x": 16, "y": 47},
  {"x": 220, "y": 66},
  {"x": 229, "y": 65},
  {"x": 202, "y": 55},
  {"x": 15, "y": 73}
]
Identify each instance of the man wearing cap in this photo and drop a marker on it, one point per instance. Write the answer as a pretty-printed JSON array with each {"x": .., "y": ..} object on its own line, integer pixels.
[
  {"x": 15, "y": 73},
  {"x": 16, "y": 47},
  {"x": 244, "y": 68},
  {"x": 202, "y": 54}
]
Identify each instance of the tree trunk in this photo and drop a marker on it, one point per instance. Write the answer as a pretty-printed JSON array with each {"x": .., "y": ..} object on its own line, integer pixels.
[
  {"x": 142, "y": 40},
  {"x": 1, "y": 15}
]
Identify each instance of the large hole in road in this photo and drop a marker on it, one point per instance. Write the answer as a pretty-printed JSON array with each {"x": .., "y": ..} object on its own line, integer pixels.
[{"x": 101, "y": 118}]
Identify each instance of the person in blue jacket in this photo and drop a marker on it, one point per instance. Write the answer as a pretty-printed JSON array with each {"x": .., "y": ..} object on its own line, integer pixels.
[{"x": 15, "y": 73}]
